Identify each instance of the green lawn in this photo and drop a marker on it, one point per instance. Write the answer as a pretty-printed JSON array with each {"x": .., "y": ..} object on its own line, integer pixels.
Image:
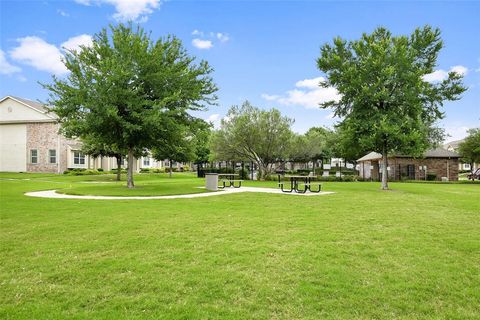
[{"x": 360, "y": 253}]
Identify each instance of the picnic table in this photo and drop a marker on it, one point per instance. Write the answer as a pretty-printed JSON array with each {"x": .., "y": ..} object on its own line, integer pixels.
[
  {"x": 230, "y": 179},
  {"x": 296, "y": 182}
]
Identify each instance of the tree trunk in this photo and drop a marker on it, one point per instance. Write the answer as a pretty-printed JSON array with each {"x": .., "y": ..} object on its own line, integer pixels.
[
  {"x": 130, "y": 184},
  {"x": 384, "y": 170},
  {"x": 119, "y": 167},
  {"x": 171, "y": 169}
]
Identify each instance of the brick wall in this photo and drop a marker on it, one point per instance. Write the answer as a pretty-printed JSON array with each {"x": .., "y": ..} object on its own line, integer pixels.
[
  {"x": 437, "y": 166},
  {"x": 43, "y": 137}
]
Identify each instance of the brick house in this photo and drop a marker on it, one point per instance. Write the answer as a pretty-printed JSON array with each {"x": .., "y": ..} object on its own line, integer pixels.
[
  {"x": 439, "y": 162},
  {"x": 30, "y": 142}
]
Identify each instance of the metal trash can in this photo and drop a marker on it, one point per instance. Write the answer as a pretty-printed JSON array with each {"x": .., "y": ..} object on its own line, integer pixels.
[{"x": 211, "y": 181}]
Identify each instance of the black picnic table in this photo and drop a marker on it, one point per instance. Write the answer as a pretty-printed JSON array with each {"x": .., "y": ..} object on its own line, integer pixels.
[
  {"x": 230, "y": 178},
  {"x": 297, "y": 181}
]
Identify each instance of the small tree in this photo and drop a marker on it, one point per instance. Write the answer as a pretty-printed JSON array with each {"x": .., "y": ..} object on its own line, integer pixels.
[
  {"x": 182, "y": 150},
  {"x": 385, "y": 103},
  {"x": 125, "y": 89},
  {"x": 252, "y": 134},
  {"x": 469, "y": 149}
]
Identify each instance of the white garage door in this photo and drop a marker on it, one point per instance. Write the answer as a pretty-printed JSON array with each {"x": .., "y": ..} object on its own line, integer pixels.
[{"x": 13, "y": 153}]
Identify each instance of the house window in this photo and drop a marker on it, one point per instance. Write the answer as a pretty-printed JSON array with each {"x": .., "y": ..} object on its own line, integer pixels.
[
  {"x": 78, "y": 157},
  {"x": 34, "y": 156},
  {"x": 146, "y": 161},
  {"x": 52, "y": 156}
]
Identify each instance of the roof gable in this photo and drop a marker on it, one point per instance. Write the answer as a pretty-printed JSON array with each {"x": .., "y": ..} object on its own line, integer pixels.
[{"x": 18, "y": 110}]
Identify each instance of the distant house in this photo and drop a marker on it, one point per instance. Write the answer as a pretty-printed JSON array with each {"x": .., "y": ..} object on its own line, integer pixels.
[
  {"x": 453, "y": 146},
  {"x": 438, "y": 163},
  {"x": 30, "y": 142}
]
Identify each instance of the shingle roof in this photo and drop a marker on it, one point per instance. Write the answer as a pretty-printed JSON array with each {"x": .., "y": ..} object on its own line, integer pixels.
[
  {"x": 440, "y": 153},
  {"x": 432, "y": 153},
  {"x": 371, "y": 156},
  {"x": 35, "y": 105}
]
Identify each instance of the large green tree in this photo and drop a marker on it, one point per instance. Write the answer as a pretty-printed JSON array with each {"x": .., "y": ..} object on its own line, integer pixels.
[
  {"x": 127, "y": 90},
  {"x": 385, "y": 102},
  {"x": 469, "y": 149},
  {"x": 249, "y": 133}
]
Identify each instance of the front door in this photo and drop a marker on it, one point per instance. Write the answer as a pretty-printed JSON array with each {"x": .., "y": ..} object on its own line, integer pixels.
[{"x": 411, "y": 172}]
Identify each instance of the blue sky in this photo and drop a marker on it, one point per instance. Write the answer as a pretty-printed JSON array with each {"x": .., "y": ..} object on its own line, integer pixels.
[{"x": 263, "y": 51}]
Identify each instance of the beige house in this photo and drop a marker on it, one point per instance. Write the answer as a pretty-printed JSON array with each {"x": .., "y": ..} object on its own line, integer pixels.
[
  {"x": 453, "y": 146},
  {"x": 439, "y": 162},
  {"x": 30, "y": 142}
]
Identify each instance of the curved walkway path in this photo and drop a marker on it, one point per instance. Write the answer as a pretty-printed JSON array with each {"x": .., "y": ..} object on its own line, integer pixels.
[{"x": 54, "y": 194}]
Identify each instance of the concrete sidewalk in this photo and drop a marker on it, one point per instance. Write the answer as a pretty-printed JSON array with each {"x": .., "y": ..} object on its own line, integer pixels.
[{"x": 54, "y": 194}]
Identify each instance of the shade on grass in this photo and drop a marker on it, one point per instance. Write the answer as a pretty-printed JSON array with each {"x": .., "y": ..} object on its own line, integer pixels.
[{"x": 360, "y": 253}]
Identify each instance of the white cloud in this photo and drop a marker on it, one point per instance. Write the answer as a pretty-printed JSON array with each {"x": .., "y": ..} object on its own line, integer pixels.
[
  {"x": 270, "y": 97},
  {"x": 440, "y": 75},
  {"x": 74, "y": 43},
  {"x": 310, "y": 94},
  {"x": 222, "y": 37},
  {"x": 461, "y": 70},
  {"x": 477, "y": 70},
  {"x": 213, "y": 117},
  {"x": 211, "y": 38},
  {"x": 62, "y": 13},
  {"x": 38, "y": 53},
  {"x": 136, "y": 10},
  {"x": 202, "y": 44},
  {"x": 44, "y": 56},
  {"x": 5, "y": 66},
  {"x": 310, "y": 83}
]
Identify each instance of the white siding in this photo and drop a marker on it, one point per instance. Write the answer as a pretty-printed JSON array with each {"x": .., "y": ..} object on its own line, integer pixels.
[
  {"x": 11, "y": 110},
  {"x": 13, "y": 147}
]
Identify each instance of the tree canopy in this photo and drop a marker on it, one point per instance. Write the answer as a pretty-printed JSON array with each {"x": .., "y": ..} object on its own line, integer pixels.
[
  {"x": 130, "y": 90},
  {"x": 385, "y": 103},
  {"x": 469, "y": 149},
  {"x": 249, "y": 133}
]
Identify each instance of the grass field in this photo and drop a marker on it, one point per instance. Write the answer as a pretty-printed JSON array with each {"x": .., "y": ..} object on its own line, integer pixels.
[{"x": 361, "y": 253}]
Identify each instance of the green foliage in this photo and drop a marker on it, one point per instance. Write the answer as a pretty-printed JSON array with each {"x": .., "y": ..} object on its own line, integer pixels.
[
  {"x": 152, "y": 170},
  {"x": 469, "y": 149},
  {"x": 249, "y": 133},
  {"x": 83, "y": 172},
  {"x": 126, "y": 91},
  {"x": 385, "y": 104}
]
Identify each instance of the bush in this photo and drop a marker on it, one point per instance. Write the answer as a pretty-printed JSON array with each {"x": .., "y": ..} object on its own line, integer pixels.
[
  {"x": 431, "y": 176},
  {"x": 152, "y": 170},
  {"x": 244, "y": 174},
  {"x": 114, "y": 171},
  {"x": 186, "y": 167},
  {"x": 82, "y": 172},
  {"x": 303, "y": 172},
  {"x": 346, "y": 178},
  {"x": 100, "y": 170}
]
